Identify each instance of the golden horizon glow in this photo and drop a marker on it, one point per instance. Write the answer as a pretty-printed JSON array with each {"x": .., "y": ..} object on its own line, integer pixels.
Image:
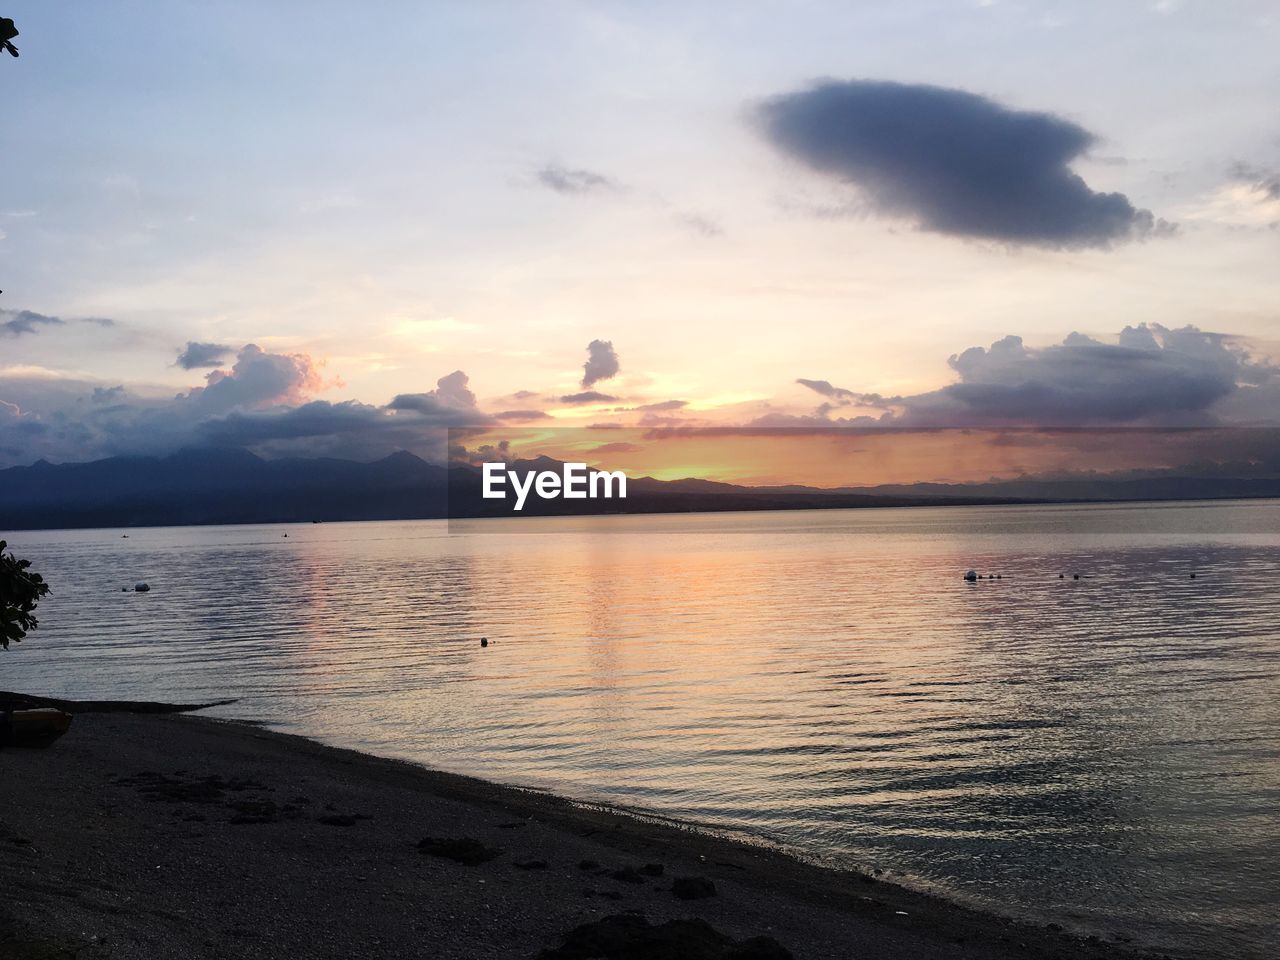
[{"x": 848, "y": 458}]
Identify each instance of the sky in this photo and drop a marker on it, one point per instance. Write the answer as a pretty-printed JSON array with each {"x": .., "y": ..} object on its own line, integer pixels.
[{"x": 312, "y": 228}]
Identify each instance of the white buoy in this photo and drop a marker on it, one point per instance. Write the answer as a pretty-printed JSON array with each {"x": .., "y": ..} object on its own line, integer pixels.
[
  {"x": 141, "y": 587},
  {"x": 971, "y": 576}
]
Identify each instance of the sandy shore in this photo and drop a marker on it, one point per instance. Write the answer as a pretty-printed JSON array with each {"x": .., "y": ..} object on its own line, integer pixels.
[{"x": 154, "y": 836}]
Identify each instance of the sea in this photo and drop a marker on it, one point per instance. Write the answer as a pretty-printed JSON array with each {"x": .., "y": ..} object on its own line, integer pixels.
[{"x": 1088, "y": 734}]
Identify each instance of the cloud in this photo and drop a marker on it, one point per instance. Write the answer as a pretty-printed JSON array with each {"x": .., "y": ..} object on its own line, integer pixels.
[
  {"x": 701, "y": 225},
  {"x": 619, "y": 447},
  {"x": 1150, "y": 376},
  {"x": 196, "y": 354},
  {"x": 1264, "y": 181},
  {"x": 577, "y": 182},
  {"x": 602, "y": 363},
  {"x": 451, "y": 395},
  {"x": 319, "y": 418},
  {"x": 259, "y": 379},
  {"x": 263, "y": 403},
  {"x": 663, "y": 405},
  {"x": 953, "y": 162},
  {"x": 18, "y": 322},
  {"x": 839, "y": 396},
  {"x": 452, "y": 389},
  {"x": 587, "y": 396},
  {"x": 522, "y": 415},
  {"x": 411, "y": 421}
]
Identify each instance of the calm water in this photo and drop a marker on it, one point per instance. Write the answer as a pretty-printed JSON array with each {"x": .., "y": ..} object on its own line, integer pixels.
[{"x": 1102, "y": 752}]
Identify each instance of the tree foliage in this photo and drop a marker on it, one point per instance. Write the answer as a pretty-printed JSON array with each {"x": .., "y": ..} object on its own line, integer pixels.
[
  {"x": 20, "y": 591},
  {"x": 7, "y": 32}
]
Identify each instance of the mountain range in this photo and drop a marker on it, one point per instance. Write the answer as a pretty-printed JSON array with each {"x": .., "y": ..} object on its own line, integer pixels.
[{"x": 220, "y": 485}]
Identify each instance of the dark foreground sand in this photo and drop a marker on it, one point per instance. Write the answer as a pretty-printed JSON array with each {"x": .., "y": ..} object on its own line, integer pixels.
[{"x": 155, "y": 836}]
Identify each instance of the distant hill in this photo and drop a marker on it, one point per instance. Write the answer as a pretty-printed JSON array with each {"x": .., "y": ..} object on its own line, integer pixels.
[
  {"x": 234, "y": 486},
  {"x": 218, "y": 486}
]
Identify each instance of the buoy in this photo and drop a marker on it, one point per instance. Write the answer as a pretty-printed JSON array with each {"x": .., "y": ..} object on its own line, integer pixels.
[
  {"x": 1061, "y": 575},
  {"x": 971, "y": 576},
  {"x": 1193, "y": 576},
  {"x": 484, "y": 641},
  {"x": 141, "y": 587},
  {"x": 1075, "y": 576}
]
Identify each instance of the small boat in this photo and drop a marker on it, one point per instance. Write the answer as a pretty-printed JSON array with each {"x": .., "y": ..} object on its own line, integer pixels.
[{"x": 33, "y": 728}]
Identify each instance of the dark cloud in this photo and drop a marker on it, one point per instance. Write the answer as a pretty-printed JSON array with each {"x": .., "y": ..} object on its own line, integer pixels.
[
  {"x": 315, "y": 419},
  {"x": 839, "y": 396},
  {"x": 427, "y": 404},
  {"x": 195, "y": 355},
  {"x": 663, "y": 405},
  {"x": 14, "y": 323},
  {"x": 825, "y": 388},
  {"x": 564, "y": 180},
  {"x": 1151, "y": 375},
  {"x": 18, "y": 322},
  {"x": 602, "y": 363},
  {"x": 484, "y": 453},
  {"x": 587, "y": 396},
  {"x": 954, "y": 162},
  {"x": 263, "y": 402},
  {"x": 522, "y": 415},
  {"x": 411, "y": 421}
]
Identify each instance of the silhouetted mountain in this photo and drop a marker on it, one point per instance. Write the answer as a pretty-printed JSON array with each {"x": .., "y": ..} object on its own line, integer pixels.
[
  {"x": 234, "y": 486},
  {"x": 218, "y": 486}
]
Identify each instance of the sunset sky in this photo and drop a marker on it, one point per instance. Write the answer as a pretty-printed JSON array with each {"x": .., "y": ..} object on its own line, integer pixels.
[{"x": 324, "y": 228}]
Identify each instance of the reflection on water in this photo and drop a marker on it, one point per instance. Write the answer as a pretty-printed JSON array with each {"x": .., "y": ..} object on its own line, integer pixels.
[{"x": 1103, "y": 752}]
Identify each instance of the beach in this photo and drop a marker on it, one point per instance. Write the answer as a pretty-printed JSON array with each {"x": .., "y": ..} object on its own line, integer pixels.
[{"x": 161, "y": 835}]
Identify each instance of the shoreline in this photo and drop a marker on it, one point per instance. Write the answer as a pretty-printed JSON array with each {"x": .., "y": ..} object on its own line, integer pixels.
[
  {"x": 123, "y": 835},
  {"x": 923, "y": 504}
]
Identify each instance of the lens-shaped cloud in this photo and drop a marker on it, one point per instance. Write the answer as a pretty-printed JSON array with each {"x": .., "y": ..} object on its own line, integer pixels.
[{"x": 953, "y": 162}]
